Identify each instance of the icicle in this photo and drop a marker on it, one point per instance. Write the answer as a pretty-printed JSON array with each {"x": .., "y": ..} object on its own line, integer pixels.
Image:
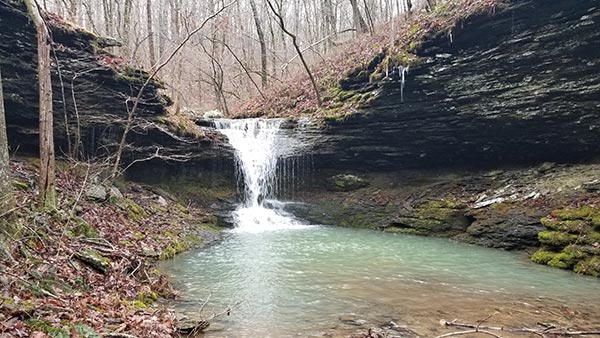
[{"x": 402, "y": 71}]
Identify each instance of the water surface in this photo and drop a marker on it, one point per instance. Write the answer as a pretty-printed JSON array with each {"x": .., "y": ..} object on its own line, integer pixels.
[{"x": 301, "y": 282}]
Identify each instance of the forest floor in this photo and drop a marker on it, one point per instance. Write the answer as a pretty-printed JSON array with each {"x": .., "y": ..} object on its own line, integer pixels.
[{"x": 87, "y": 268}]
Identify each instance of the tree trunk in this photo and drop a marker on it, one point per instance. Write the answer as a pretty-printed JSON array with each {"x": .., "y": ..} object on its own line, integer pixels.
[
  {"x": 359, "y": 22},
  {"x": 330, "y": 23},
  {"x": 408, "y": 4},
  {"x": 47, "y": 194},
  {"x": 369, "y": 17},
  {"x": 150, "y": 34},
  {"x": 263, "y": 46},
  {"x": 430, "y": 5},
  {"x": 6, "y": 194},
  {"x": 127, "y": 8}
]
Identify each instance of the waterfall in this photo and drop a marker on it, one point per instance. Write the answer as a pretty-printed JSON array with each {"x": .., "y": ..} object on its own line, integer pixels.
[{"x": 259, "y": 145}]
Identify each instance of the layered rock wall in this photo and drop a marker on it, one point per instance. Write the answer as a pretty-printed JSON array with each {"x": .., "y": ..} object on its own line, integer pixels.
[{"x": 517, "y": 86}]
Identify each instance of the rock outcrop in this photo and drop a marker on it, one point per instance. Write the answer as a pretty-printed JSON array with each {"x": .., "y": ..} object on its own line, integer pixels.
[
  {"x": 571, "y": 240},
  {"x": 517, "y": 86},
  {"x": 93, "y": 90},
  {"x": 503, "y": 209}
]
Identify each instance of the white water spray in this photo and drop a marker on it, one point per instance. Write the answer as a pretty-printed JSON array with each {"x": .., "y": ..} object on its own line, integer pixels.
[{"x": 258, "y": 145}]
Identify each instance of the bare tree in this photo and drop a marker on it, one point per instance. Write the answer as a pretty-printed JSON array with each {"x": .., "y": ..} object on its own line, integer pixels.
[
  {"x": 150, "y": 34},
  {"x": 277, "y": 13},
  {"x": 6, "y": 194},
  {"x": 359, "y": 21},
  {"x": 47, "y": 193},
  {"x": 263, "y": 45},
  {"x": 149, "y": 29}
]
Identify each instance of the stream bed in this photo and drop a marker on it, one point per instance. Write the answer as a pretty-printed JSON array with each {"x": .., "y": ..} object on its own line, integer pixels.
[{"x": 321, "y": 281}]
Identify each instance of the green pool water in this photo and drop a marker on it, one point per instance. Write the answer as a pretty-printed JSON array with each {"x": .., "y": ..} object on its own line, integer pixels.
[{"x": 309, "y": 281}]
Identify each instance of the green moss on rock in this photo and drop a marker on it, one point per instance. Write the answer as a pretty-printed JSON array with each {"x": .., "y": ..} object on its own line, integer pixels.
[
  {"x": 543, "y": 256},
  {"x": 135, "y": 212},
  {"x": 556, "y": 239},
  {"x": 81, "y": 228},
  {"x": 563, "y": 260},
  {"x": 572, "y": 241},
  {"x": 589, "y": 267},
  {"x": 582, "y": 213}
]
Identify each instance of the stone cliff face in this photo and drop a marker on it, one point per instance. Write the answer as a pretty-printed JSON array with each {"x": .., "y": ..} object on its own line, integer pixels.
[
  {"x": 518, "y": 86},
  {"x": 92, "y": 91}
]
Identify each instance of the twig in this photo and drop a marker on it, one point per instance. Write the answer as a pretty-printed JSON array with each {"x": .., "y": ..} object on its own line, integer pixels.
[
  {"x": 118, "y": 335},
  {"x": 41, "y": 290},
  {"x": 11, "y": 211},
  {"x": 468, "y": 332},
  {"x": 97, "y": 241},
  {"x": 484, "y": 319},
  {"x": 492, "y": 328}
]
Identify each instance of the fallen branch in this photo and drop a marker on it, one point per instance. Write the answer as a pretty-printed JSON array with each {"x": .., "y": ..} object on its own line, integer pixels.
[
  {"x": 493, "y": 328},
  {"x": 460, "y": 333},
  {"x": 118, "y": 335},
  {"x": 11, "y": 211},
  {"x": 545, "y": 332}
]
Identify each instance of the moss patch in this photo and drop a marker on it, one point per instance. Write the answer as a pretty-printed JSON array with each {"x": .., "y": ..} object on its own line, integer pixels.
[
  {"x": 135, "y": 212},
  {"x": 543, "y": 256},
  {"x": 572, "y": 240}
]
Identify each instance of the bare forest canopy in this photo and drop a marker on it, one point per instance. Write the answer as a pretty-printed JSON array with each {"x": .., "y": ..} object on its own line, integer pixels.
[{"x": 240, "y": 53}]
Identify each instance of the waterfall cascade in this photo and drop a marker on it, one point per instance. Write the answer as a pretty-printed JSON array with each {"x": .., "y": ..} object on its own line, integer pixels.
[{"x": 259, "y": 145}]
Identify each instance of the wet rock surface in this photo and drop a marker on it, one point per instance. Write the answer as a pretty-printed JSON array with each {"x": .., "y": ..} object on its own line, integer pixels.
[{"x": 451, "y": 203}]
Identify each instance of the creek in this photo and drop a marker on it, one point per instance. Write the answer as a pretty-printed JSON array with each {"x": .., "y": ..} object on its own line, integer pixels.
[{"x": 282, "y": 277}]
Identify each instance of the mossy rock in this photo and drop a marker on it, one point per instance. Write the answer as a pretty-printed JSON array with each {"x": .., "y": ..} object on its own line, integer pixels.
[
  {"x": 135, "y": 212},
  {"x": 135, "y": 304},
  {"x": 346, "y": 182},
  {"x": 543, "y": 256},
  {"x": 376, "y": 76},
  {"x": 407, "y": 231},
  {"x": 85, "y": 331},
  {"x": 443, "y": 214},
  {"x": 575, "y": 213},
  {"x": 564, "y": 260},
  {"x": 568, "y": 258},
  {"x": 590, "y": 267},
  {"x": 93, "y": 259},
  {"x": 81, "y": 228},
  {"x": 344, "y": 95},
  {"x": 570, "y": 226},
  {"x": 148, "y": 298},
  {"x": 46, "y": 327},
  {"x": 173, "y": 249},
  {"x": 425, "y": 226},
  {"x": 556, "y": 239}
]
